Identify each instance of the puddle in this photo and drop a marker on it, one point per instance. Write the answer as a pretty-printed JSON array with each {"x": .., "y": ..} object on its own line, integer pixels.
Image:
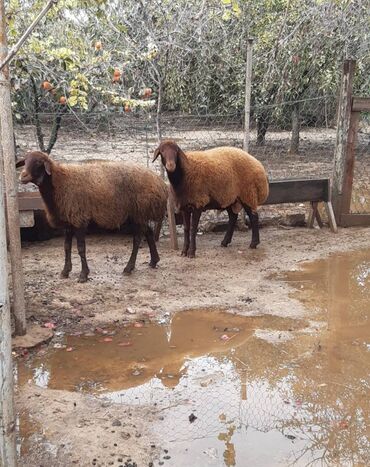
[{"x": 251, "y": 400}]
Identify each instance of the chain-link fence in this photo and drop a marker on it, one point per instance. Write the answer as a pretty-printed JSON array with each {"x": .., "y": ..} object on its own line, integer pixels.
[
  {"x": 118, "y": 136},
  {"x": 306, "y": 151}
]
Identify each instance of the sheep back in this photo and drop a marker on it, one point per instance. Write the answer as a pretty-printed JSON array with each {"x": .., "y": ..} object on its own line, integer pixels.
[
  {"x": 107, "y": 193},
  {"x": 224, "y": 175}
]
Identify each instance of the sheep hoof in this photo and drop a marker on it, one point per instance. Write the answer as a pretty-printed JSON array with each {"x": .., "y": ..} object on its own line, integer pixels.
[
  {"x": 184, "y": 253},
  {"x": 253, "y": 245},
  {"x": 153, "y": 264},
  {"x": 64, "y": 274},
  {"x": 224, "y": 244},
  {"x": 128, "y": 270},
  {"x": 191, "y": 254},
  {"x": 82, "y": 279}
]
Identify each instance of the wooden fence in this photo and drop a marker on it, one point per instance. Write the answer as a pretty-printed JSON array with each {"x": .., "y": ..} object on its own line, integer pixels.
[{"x": 349, "y": 111}]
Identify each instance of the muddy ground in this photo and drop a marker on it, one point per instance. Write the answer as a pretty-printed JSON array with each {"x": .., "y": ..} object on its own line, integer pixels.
[{"x": 59, "y": 427}]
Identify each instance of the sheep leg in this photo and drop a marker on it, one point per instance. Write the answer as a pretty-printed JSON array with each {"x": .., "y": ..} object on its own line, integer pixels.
[
  {"x": 193, "y": 232},
  {"x": 157, "y": 230},
  {"x": 186, "y": 220},
  {"x": 253, "y": 217},
  {"x": 81, "y": 248},
  {"x": 154, "y": 256},
  {"x": 68, "y": 236},
  {"x": 231, "y": 227},
  {"x": 136, "y": 240}
]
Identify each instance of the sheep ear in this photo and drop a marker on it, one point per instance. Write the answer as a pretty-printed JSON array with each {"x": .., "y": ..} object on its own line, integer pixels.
[
  {"x": 20, "y": 163},
  {"x": 47, "y": 166},
  {"x": 156, "y": 154}
]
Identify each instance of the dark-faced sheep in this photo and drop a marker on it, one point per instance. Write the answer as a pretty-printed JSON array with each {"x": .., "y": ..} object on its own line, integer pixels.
[
  {"x": 220, "y": 178},
  {"x": 107, "y": 194}
]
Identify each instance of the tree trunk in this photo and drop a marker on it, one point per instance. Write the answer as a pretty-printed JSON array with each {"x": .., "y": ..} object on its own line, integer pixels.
[
  {"x": 294, "y": 142},
  {"x": 36, "y": 114},
  {"x": 262, "y": 125},
  {"x": 55, "y": 129}
]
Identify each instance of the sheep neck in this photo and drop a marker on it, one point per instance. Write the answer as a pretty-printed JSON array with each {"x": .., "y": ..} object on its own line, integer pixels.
[
  {"x": 176, "y": 177},
  {"x": 46, "y": 191}
]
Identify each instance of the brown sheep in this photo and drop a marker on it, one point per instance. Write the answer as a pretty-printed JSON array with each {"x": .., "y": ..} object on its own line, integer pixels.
[
  {"x": 220, "y": 178},
  {"x": 105, "y": 193}
]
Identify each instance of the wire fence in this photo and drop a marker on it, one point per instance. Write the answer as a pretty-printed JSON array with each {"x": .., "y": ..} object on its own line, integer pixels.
[{"x": 287, "y": 149}]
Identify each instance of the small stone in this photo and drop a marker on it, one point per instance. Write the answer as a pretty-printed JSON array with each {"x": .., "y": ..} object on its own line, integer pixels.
[
  {"x": 192, "y": 418},
  {"x": 116, "y": 423}
]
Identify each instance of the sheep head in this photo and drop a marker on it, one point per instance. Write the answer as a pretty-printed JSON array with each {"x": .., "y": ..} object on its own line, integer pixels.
[
  {"x": 169, "y": 152},
  {"x": 37, "y": 166}
]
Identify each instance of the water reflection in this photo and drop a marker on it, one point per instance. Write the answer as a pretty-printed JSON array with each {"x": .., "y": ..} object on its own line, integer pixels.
[{"x": 303, "y": 401}]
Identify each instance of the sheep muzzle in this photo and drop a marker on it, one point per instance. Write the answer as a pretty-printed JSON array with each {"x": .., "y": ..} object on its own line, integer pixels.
[
  {"x": 25, "y": 177},
  {"x": 170, "y": 166}
]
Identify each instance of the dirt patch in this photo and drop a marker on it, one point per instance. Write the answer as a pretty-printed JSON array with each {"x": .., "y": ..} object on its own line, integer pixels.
[{"x": 232, "y": 278}]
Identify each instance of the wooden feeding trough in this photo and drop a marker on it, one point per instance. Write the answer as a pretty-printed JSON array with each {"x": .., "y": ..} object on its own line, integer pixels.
[{"x": 313, "y": 191}]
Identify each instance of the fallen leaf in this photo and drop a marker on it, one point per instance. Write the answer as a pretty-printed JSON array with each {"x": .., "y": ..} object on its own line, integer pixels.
[
  {"x": 125, "y": 344},
  {"x": 107, "y": 339},
  {"x": 69, "y": 349},
  {"x": 49, "y": 325},
  {"x": 138, "y": 325},
  {"x": 225, "y": 337}
]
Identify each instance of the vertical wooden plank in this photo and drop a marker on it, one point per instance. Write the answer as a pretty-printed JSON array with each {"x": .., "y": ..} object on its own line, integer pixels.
[
  {"x": 331, "y": 217},
  {"x": 311, "y": 216},
  {"x": 172, "y": 222},
  {"x": 343, "y": 123},
  {"x": 7, "y": 415},
  {"x": 314, "y": 214},
  {"x": 248, "y": 89},
  {"x": 318, "y": 216},
  {"x": 349, "y": 162},
  {"x": 11, "y": 188}
]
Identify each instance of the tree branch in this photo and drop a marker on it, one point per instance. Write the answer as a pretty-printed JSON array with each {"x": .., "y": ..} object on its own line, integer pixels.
[{"x": 22, "y": 40}]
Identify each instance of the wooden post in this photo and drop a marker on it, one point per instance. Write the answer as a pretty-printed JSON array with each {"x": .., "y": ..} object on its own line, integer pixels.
[
  {"x": 342, "y": 152},
  {"x": 248, "y": 89},
  {"x": 172, "y": 223},
  {"x": 7, "y": 415},
  {"x": 349, "y": 163},
  {"x": 11, "y": 189}
]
